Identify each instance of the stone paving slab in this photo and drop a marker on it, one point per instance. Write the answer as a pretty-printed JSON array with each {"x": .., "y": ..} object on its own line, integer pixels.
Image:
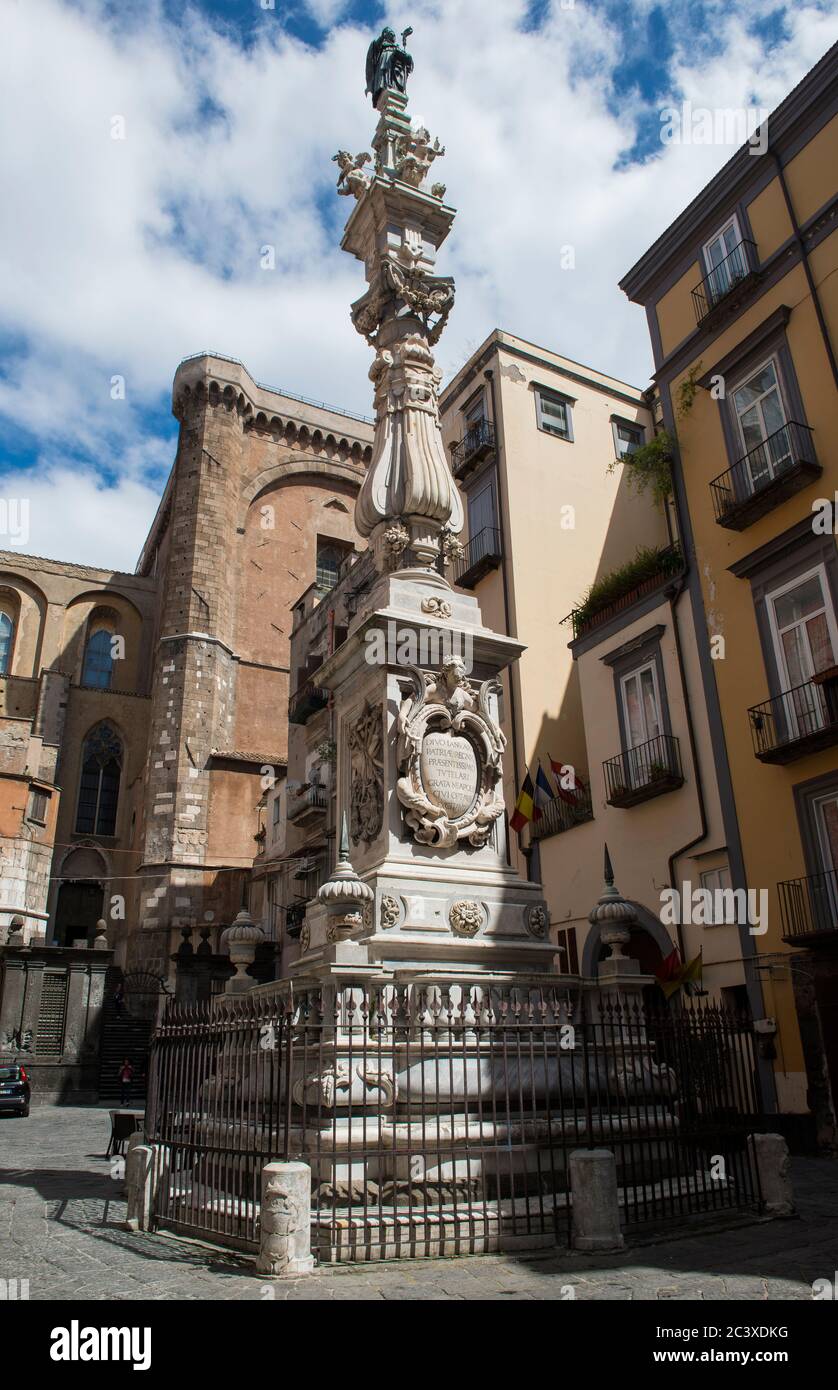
[{"x": 62, "y": 1211}]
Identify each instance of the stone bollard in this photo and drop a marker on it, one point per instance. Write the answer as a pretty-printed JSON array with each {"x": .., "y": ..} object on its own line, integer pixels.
[
  {"x": 595, "y": 1210},
  {"x": 773, "y": 1163},
  {"x": 139, "y": 1180},
  {"x": 285, "y": 1221}
]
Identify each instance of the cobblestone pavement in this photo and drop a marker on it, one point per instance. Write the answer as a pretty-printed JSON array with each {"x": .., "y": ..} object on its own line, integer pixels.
[{"x": 61, "y": 1215}]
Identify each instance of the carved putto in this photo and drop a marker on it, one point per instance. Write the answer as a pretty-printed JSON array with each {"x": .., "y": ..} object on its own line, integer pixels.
[
  {"x": 450, "y": 752},
  {"x": 414, "y": 155},
  {"x": 352, "y": 179}
]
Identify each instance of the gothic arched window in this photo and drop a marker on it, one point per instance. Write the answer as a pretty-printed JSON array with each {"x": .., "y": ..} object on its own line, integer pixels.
[
  {"x": 98, "y": 659},
  {"x": 7, "y": 632},
  {"x": 99, "y": 787}
]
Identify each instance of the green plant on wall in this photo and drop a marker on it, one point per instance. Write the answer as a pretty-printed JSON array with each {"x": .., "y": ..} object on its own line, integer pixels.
[
  {"x": 649, "y": 468},
  {"x": 327, "y": 752},
  {"x": 687, "y": 392}
]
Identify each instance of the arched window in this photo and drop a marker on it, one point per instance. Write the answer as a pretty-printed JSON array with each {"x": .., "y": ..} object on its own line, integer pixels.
[
  {"x": 98, "y": 659},
  {"x": 7, "y": 632},
  {"x": 99, "y": 788}
]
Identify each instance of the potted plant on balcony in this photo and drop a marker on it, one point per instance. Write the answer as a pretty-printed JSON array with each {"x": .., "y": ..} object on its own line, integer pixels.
[{"x": 658, "y": 772}]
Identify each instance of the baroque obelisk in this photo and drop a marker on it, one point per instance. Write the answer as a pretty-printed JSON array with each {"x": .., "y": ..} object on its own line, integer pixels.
[{"x": 419, "y": 741}]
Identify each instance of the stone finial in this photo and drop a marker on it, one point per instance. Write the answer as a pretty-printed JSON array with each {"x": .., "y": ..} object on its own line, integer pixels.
[
  {"x": 612, "y": 914},
  {"x": 344, "y": 894},
  {"x": 100, "y": 941},
  {"x": 240, "y": 941}
]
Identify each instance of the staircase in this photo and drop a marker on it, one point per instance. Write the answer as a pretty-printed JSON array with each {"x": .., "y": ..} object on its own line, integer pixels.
[{"x": 122, "y": 1037}]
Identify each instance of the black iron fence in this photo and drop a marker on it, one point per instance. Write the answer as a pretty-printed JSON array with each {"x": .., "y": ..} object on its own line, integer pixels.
[{"x": 440, "y": 1118}]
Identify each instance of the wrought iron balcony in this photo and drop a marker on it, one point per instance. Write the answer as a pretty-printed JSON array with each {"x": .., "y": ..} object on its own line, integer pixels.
[
  {"x": 306, "y": 701},
  {"x": 308, "y": 805},
  {"x": 783, "y": 464},
  {"x": 809, "y": 908},
  {"x": 561, "y": 815},
  {"x": 477, "y": 443},
  {"x": 640, "y": 773},
  {"x": 800, "y": 721},
  {"x": 726, "y": 281},
  {"x": 484, "y": 552}
]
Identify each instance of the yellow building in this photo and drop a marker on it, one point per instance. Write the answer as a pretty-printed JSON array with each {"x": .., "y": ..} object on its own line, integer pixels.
[
  {"x": 554, "y": 526},
  {"x": 741, "y": 296}
]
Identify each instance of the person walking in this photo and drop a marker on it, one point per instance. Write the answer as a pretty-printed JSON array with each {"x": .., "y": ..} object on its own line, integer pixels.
[{"x": 126, "y": 1076}]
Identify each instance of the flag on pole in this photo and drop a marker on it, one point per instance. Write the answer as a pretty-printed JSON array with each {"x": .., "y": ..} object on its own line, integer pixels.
[
  {"x": 543, "y": 790},
  {"x": 672, "y": 974},
  {"x": 568, "y": 794},
  {"x": 525, "y": 807}
]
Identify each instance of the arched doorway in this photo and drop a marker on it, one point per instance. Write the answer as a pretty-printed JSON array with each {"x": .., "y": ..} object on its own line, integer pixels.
[{"x": 81, "y": 896}]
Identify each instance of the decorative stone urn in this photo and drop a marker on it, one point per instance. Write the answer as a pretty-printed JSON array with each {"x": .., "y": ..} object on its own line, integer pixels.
[
  {"x": 344, "y": 895},
  {"x": 240, "y": 941}
]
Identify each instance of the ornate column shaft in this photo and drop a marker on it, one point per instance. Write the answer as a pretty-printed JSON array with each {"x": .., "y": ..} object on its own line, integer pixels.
[{"x": 409, "y": 501}]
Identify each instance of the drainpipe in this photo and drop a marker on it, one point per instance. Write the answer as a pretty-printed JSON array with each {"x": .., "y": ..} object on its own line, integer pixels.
[
  {"x": 804, "y": 256},
  {"x": 673, "y": 594},
  {"x": 503, "y": 521}
]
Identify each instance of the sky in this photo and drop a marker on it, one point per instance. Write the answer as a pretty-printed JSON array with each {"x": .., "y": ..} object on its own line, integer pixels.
[{"x": 152, "y": 150}]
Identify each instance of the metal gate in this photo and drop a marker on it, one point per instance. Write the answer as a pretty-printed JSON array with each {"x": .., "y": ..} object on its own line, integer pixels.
[{"x": 439, "y": 1119}]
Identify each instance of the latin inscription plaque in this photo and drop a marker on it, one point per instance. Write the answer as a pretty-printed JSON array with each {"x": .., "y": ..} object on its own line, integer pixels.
[{"x": 449, "y": 772}]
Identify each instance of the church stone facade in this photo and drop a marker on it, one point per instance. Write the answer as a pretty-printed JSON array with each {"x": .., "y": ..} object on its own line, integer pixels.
[{"x": 142, "y": 716}]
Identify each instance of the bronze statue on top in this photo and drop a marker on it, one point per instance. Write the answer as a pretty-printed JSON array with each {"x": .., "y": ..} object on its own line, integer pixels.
[{"x": 388, "y": 65}]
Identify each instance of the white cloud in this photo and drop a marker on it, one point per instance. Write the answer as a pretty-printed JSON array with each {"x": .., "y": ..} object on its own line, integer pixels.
[
  {"x": 70, "y": 515},
  {"x": 124, "y": 256}
]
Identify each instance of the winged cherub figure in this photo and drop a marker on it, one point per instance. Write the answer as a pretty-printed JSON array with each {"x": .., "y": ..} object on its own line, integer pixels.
[{"x": 352, "y": 178}]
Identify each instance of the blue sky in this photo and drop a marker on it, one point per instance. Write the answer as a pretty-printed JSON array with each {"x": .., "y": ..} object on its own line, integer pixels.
[{"x": 121, "y": 257}]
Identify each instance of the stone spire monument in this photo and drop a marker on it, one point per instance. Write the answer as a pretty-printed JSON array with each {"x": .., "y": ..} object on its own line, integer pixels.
[{"x": 415, "y": 684}]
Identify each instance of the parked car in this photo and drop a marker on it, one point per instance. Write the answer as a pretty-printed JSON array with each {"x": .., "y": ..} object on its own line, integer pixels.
[{"x": 14, "y": 1089}]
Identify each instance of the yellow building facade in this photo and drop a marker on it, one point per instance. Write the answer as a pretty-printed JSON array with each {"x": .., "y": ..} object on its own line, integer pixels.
[{"x": 741, "y": 296}]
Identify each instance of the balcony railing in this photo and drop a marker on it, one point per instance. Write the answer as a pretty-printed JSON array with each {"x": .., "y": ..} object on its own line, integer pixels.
[
  {"x": 783, "y": 464},
  {"x": 306, "y": 701},
  {"x": 735, "y": 272},
  {"x": 799, "y": 721},
  {"x": 308, "y": 805},
  {"x": 640, "y": 773},
  {"x": 808, "y": 907},
  {"x": 559, "y": 815},
  {"x": 484, "y": 552},
  {"x": 477, "y": 443}
]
